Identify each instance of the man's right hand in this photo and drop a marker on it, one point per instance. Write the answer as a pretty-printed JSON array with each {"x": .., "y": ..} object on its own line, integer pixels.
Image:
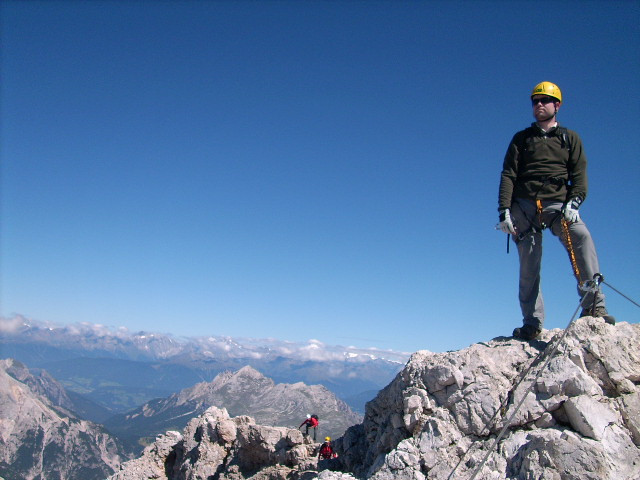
[{"x": 506, "y": 225}]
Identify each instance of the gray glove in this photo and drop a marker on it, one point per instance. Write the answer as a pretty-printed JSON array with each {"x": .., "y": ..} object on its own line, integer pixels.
[
  {"x": 506, "y": 225},
  {"x": 570, "y": 210}
]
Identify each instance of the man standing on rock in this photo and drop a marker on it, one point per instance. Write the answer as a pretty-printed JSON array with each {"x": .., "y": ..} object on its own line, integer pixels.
[
  {"x": 310, "y": 422},
  {"x": 542, "y": 185}
]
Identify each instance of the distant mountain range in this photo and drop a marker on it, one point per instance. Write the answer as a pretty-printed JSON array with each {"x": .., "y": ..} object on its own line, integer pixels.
[
  {"x": 116, "y": 371},
  {"x": 245, "y": 392}
]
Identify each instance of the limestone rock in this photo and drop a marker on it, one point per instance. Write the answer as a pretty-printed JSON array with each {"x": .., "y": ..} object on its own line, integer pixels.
[
  {"x": 630, "y": 407},
  {"x": 589, "y": 417},
  {"x": 577, "y": 420}
]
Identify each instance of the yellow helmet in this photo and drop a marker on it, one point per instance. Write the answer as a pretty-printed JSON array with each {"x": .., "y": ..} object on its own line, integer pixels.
[
  {"x": 327, "y": 439},
  {"x": 549, "y": 89}
]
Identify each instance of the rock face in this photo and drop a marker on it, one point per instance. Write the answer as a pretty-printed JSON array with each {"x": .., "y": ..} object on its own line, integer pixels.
[
  {"x": 578, "y": 420},
  {"x": 40, "y": 438},
  {"x": 245, "y": 392},
  {"x": 440, "y": 417}
]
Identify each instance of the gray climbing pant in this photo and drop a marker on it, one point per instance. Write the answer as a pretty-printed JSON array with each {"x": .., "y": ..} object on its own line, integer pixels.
[{"x": 527, "y": 223}]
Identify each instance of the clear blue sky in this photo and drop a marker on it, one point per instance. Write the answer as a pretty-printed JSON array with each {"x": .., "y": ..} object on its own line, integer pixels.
[{"x": 300, "y": 170}]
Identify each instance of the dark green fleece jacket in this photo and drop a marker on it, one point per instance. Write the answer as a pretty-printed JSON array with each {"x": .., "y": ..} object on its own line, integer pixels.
[{"x": 543, "y": 165}]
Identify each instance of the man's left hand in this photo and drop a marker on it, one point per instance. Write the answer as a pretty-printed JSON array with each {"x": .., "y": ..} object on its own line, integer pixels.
[{"x": 570, "y": 210}]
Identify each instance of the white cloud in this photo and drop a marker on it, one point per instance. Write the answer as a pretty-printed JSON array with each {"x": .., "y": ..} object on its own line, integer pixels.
[
  {"x": 312, "y": 349},
  {"x": 12, "y": 325}
]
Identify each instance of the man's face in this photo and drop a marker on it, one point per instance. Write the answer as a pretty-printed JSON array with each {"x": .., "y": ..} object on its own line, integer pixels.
[{"x": 544, "y": 107}]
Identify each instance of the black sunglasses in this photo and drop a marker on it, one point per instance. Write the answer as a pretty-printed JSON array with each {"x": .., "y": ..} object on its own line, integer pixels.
[{"x": 542, "y": 100}]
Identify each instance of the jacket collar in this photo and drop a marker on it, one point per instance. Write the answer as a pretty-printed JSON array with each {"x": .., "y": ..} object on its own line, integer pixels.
[{"x": 550, "y": 132}]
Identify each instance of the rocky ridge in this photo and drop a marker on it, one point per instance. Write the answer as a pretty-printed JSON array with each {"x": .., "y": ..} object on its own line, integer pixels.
[
  {"x": 440, "y": 416},
  {"x": 214, "y": 445}
]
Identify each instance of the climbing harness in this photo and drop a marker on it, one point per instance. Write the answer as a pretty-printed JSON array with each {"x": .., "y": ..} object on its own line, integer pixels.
[
  {"x": 542, "y": 225},
  {"x": 546, "y": 355}
]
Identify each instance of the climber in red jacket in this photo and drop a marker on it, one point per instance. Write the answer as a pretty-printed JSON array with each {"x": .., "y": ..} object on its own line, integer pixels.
[{"x": 310, "y": 422}]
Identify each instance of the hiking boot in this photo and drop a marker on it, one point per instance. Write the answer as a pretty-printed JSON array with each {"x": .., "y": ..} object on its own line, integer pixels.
[
  {"x": 600, "y": 312},
  {"x": 526, "y": 332}
]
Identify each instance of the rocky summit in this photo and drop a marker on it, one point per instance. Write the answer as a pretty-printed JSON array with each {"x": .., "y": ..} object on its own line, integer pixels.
[
  {"x": 214, "y": 445},
  {"x": 504, "y": 409}
]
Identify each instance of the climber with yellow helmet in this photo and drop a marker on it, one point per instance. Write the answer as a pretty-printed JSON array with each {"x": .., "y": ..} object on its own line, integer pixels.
[
  {"x": 326, "y": 450},
  {"x": 549, "y": 92},
  {"x": 542, "y": 185}
]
